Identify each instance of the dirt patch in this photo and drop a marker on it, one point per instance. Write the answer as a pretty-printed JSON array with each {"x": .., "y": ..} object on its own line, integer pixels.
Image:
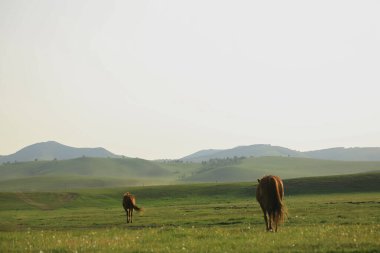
[
  {"x": 31, "y": 202},
  {"x": 56, "y": 200}
]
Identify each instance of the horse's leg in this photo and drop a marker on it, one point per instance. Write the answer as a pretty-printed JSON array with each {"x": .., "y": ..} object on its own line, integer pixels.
[
  {"x": 275, "y": 222},
  {"x": 275, "y": 219},
  {"x": 266, "y": 220},
  {"x": 270, "y": 221},
  {"x": 131, "y": 215}
]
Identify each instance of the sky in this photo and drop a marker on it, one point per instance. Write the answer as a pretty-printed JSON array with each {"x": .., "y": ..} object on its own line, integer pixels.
[{"x": 164, "y": 79}]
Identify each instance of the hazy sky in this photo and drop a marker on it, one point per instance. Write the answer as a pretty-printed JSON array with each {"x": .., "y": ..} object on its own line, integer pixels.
[{"x": 163, "y": 79}]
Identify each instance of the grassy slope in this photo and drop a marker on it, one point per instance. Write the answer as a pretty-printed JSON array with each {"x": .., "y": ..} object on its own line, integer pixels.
[
  {"x": 107, "y": 172},
  {"x": 90, "y": 173},
  {"x": 123, "y": 167},
  {"x": 286, "y": 167}
]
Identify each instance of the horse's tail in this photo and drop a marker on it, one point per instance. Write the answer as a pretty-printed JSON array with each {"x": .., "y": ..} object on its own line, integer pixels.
[
  {"x": 138, "y": 209},
  {"x": 280, "y": 208}
]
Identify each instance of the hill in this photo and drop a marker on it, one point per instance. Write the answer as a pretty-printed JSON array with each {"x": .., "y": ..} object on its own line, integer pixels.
[
  {"x": 81, "y": 173},
  {"x": 89, "y": 172},
  {"x": 234, "y": 170},
  {"x": 259, "y": 150},
  {"x": 85, "y": 166},
  {"x": 241, "y": 151},
  {"x": 52, "y": 150}
]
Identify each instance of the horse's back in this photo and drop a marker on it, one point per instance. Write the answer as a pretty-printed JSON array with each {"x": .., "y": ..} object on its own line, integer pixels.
[
  {"x": 266, "y": 186},
  {"x": 129, "y": 201}
]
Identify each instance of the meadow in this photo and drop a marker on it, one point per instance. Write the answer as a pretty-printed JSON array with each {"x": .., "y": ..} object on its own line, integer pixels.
[{"x": 194, "y": 218}]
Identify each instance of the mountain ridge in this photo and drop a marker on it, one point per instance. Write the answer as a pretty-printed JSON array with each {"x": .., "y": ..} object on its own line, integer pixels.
[
  {"x": 259, "y": 150},
  {"x": 52, "y": 150}
]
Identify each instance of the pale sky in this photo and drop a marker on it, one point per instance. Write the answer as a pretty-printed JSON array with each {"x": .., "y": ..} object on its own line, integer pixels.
[{"x": 163, "y": 79}]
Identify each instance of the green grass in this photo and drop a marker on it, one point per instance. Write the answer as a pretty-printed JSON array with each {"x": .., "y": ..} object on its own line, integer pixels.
[
  {"x": 196, "y": 218},
  {"x": 319, "y": 223}
]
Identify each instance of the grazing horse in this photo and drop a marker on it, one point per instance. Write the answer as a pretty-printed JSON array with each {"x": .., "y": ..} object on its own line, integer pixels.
[
  {"x": 269, "y": 194},
  {"x": 129, "y": 203}
]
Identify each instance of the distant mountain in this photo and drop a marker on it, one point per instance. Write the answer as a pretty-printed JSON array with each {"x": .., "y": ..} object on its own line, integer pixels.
[
  {"x": 53, "y": 150},
  {"x": 259, "y": 150},
  {"x": 201, "y": 155}
]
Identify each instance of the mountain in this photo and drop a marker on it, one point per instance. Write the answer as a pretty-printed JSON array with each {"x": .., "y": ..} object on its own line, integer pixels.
[
  {"x": 259, "y": 150},
  {"x": 51, "y": 150},
  {"x": 201, "y": 155}
]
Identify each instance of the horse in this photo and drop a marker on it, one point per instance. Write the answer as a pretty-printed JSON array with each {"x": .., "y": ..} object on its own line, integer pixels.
[
  {"x": 269, "y": 194},
  {"x": 129, "y": 204}
]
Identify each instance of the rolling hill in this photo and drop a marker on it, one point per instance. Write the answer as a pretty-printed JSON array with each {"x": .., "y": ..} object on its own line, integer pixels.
[
  {"x": 84, "y": 172},
  {"x": 249, "y": 169},
  {"x": 89, "y": 172},
  {"x": 259, "y": 150},
  {"x": 52, "y": 150},
  {"x": 94, "y": 168},
  {"x": 85, "y": 167}
]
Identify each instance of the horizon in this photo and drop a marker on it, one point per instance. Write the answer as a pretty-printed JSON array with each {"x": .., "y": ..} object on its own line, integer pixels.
[{"x": 159, "y": 80}]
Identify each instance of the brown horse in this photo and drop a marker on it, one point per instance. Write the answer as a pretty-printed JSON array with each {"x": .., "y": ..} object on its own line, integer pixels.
[
  {"x": 269, "y": 194},
  {"x": 129, "y": 203}
]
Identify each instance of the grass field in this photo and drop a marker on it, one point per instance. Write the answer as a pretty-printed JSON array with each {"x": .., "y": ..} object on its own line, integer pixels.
[{"x": 195, "y": 218}]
